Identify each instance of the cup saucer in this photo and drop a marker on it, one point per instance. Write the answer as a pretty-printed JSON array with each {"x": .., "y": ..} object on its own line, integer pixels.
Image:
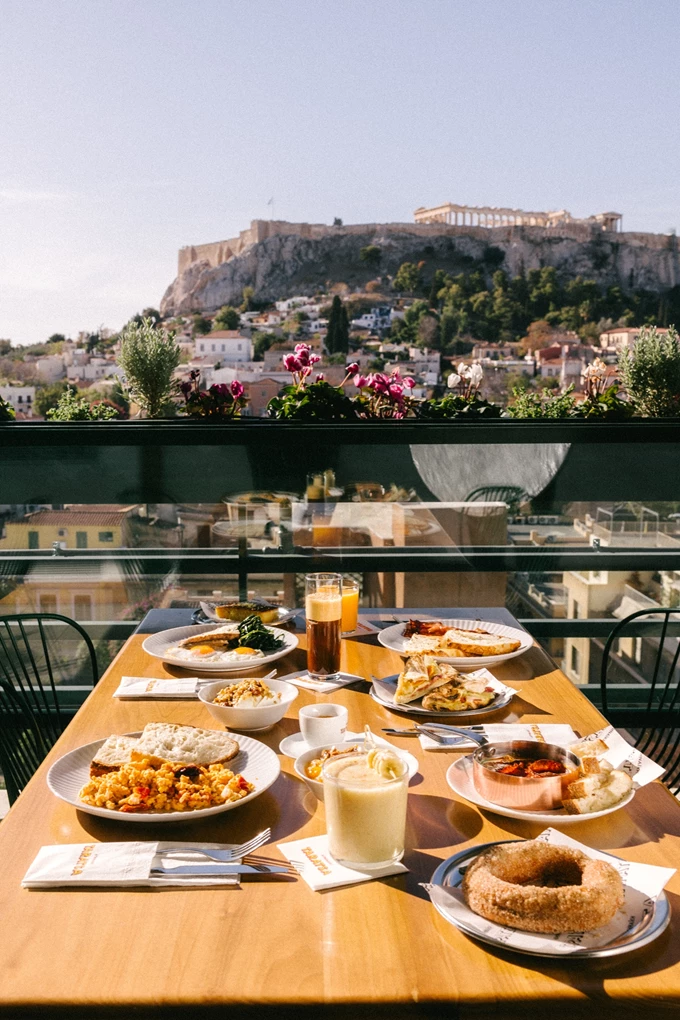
[{"x": 294, "y": 745}]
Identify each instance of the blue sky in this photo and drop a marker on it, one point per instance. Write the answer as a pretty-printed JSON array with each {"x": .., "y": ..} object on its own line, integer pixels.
[{"x": 131, "y": 127}]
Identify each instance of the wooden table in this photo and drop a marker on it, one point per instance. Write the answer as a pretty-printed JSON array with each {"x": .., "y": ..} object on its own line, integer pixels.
[{"x": 277, "y": 949}]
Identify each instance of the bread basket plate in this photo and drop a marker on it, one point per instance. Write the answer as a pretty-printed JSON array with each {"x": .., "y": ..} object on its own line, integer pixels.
[
  {"x": 650, "y": 923},
  {"x": 393, "y": 638},
  {"x": 459, "y": 778},
  {"x": 255, "y": 761},
  {"x": 383, "y": 692},
  {"x": 158, "y": 645}
]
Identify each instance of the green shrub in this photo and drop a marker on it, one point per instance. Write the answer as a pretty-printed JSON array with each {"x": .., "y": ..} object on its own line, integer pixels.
[
  {"x": 650, "y": 373},
  {"x": 71, "y": 407},
  {"x": 149, "y": 356},
  {"x": 541, "y": 405}
]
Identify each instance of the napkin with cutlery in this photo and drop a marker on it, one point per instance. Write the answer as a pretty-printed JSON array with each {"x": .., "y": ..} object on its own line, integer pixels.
[
  {"x": 301, "y": 678},
  {"x": 313, "y": 862},
  {"x": 119, "y": 865},
  {"x": 165, "y": 688},
  {"x": 549, "y": 733}
]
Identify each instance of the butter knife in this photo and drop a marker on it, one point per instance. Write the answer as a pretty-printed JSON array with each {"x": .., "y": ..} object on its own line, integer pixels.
[{"x": 222, "y": 869}]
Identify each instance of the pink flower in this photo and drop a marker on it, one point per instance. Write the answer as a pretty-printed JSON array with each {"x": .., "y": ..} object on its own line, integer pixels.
[
  {"x": 302, "y": 354},
  {"x": 320, "y": 377},
  {"x": 219, "y": 390},
  {"x": 306, "y": 371},
  {"x": 396, "y": 391},
  {"x": 185, "y": 387},
  {"x": 396, "y": 373},
  {"x": 353, "y": 368},
  {"x": 291, "y": 363},
  {"x": 398, "y": 414},
  {"x": 237, "y": 389},
  {"x": 360, "y": 381},
  {"x": 409, "y": 382},
  {"x": 313, "y": 359}
]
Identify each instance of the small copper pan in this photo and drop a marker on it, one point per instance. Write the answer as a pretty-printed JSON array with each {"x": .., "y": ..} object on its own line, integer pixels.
[{"x": 525, "y": 793}]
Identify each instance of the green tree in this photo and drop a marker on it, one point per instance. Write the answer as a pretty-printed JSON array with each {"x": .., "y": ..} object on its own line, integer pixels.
[
  {"x": 261, "y": 344},
  {"x": 148, "y": 313},
  {"x": 408, "y": 278},
  {"x": 201, "y": 324},
  {"x": 247, "y": 298},
  {"x": 149, "y": 357},
  {"x": 337, "y": 337},
  {"x": 5, "y": 347},
  {"x": 371, "y": 255},
  {"x": 650, "y": 373},
  {"x": 56, "y": 338},
  {"x": 227, "y": 318},
  {"x": 47, "y": 397}
]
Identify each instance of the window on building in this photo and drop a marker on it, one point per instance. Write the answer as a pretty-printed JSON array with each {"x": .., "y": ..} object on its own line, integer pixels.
[
  {"x": 575, "y": 661},
  {"x": 81, "y": 540},
  {"x": 20, "y": 399},
  {"x": 33, "y": 540},
  {"x": 106, "y": 536},
  {"x": 62, "y": 532},
  {"x": 212, "y": 347},
  {"x": 47, "y": 603},
  {"x": 82, "y": 607},
  {"x": 577, "y": 611}
]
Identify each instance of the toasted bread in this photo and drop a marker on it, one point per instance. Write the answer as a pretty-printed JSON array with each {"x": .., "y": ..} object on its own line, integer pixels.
[
  {"x": 588, "y": 748},
  {"x": 188, "y": 744},
  {"x": 114, "y": 752},
  {"x": 615, "y": 789}
]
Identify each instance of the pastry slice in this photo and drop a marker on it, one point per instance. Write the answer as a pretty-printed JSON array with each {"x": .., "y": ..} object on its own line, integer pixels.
[
  {"x": 219, "y": 637},
  {"x": 474, "y": 642},
  {"x": 453, "y": 697},
  {"x": 421, "y": 675}
]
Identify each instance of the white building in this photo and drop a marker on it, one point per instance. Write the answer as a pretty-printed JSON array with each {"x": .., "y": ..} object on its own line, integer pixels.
[
  {"x": 95, "y": 369},
  {"x": 622, "y": 336},
  {"x": 21, "y": 398},
  {"x": 224, "y": 345},
  {"x": 50, "y": 368}
]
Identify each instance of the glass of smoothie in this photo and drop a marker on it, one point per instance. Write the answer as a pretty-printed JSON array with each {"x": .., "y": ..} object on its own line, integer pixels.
[
  {"x": 365, "y": 798},
  {"x": 323, "y": 610}
]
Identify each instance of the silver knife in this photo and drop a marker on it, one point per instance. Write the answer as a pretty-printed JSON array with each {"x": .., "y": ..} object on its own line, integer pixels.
[{"x": 222, "y": 869}]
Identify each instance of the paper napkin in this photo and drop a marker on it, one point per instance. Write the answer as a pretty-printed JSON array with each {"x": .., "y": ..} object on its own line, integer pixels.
[
  {"x": 642, "y": 885},
  {"x": 117, "y": 865},
  {"x": 549, "y": 733},
  {"x": 301, "y": 678},
  {"x": 313, "y": 862},
  {"x": 148, "y": 688}
]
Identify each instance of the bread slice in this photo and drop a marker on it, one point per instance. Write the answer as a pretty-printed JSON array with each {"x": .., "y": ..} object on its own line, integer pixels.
[
  {"x": 617, "y": 787},
  {"x": 587, "y": 785},
  {"x": 588, "y": 748},
  {"x": 473, "y": 642},
  {"x": 220, "y": 635},
  {"x": 188, "y": 744},
  {"x": 421, "y": 674},
  {"x": 114, "y": 752}
]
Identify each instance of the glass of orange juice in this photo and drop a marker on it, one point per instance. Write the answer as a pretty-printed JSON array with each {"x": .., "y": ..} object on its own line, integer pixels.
[{"x": 350, "y": 604}]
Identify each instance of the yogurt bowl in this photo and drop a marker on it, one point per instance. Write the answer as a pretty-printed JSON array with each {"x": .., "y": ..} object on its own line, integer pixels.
[{"x": 246, "y": 717}]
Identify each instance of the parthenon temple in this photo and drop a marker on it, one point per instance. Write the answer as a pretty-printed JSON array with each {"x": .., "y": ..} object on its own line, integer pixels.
[{"x": 492, "y": 216}]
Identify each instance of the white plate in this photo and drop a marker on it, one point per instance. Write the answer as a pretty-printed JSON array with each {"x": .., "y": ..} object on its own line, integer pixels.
[
  {"x": 255, "y": 761},
  {"x": 459, "y": 778},
  {"x": 383, "y": 692},
  {"x": 393, "y": 638},
  {"x": 295, "y": 744},
  {"x": 282, "y": 614},
  {"x": 158, "y": 644}
]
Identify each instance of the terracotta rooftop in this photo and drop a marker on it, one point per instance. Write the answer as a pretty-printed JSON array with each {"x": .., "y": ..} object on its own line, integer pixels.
[{"x": 66, "y": 518}]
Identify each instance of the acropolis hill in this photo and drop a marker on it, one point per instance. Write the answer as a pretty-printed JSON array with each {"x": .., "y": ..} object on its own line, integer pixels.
[{"x": 279, "y": 259}]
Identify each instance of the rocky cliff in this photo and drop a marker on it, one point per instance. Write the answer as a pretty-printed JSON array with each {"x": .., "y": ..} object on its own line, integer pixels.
[{"x": 285, "y": 264}]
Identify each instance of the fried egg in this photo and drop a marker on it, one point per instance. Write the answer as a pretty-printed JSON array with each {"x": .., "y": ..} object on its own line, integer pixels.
[{"x": 205, "y": 653}]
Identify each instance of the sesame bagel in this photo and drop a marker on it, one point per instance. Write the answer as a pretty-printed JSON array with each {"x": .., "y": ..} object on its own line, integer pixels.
[{"x": 542, "y": 888}]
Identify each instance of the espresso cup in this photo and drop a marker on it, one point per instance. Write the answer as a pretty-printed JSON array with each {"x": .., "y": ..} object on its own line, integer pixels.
[{"x": 323, "y": 724}]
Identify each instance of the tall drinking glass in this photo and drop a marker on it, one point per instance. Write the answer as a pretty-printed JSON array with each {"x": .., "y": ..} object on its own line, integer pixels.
[
  {"x": 323, "y": 609},
  {"x": 350, "y": 605}
]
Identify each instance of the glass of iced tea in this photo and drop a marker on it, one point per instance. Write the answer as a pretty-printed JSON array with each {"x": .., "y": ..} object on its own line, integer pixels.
[{"x": 323, "y": 609}]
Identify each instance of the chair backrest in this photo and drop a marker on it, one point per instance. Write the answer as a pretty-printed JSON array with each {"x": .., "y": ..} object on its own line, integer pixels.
[
  {"x": 39, "y": 654},
  {"x": 513, "y": 495},
  {"x": 646, "y": 699}
]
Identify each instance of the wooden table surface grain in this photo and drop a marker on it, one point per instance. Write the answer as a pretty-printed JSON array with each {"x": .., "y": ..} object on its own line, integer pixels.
[{"x": 276, "y": 948}]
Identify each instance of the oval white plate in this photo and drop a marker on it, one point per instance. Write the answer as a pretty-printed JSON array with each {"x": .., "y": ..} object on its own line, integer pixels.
[
  {"x": 383, "y": 691},
  {"x": 255, "y": 761},
  {"x": 460, "y": 781},
  {"x": 393, "y": 638},
  {"x": 158, "y": 644}
]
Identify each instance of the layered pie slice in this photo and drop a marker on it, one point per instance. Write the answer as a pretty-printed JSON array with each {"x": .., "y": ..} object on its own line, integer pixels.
[
  {"x": 422, "y": 674},
  {"x": 453, "y": 697}
]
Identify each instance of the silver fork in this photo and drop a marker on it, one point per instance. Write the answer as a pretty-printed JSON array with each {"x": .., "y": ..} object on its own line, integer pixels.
[{"x": 226, "y": 855}]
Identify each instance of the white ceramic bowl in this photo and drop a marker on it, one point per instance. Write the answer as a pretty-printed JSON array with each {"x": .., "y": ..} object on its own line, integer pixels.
[
  {"x": 316, "y": 785},
  {"x": 259, "y": 717}
]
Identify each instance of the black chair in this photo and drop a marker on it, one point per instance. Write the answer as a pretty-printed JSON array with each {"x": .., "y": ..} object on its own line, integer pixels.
[
  {"x": 513, "y": 495},
  {"x": 645, "y": 700},
  {"x": 43, "y": 656}
]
